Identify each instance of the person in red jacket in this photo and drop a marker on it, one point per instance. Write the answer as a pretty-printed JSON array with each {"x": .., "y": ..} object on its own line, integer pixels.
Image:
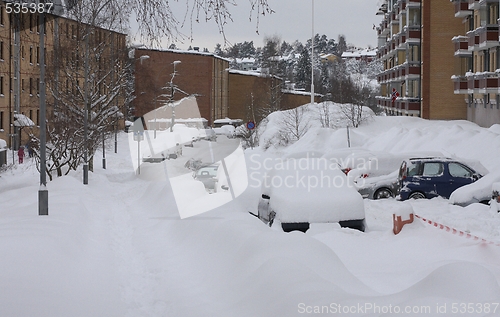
[{"x": 20, "y": 154}]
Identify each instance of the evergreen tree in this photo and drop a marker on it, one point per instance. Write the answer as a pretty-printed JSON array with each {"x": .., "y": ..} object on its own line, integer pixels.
[{"x": 303, "y": 70}]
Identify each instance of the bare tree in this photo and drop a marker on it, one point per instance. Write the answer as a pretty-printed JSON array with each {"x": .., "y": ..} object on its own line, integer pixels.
[{"x": 294, "y": 126}]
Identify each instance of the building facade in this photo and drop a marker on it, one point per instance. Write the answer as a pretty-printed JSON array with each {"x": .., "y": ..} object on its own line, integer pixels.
[
  {"x": 477, "y": 59},
  {"x": 415, "y": 48},
  {"x": 20, "y": 68},
  {"x": 200, "y": 74}
]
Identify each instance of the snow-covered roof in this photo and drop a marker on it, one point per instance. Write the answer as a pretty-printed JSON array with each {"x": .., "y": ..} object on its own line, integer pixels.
[
  {"x": 300, "y": 92},
  {"x": 360, "y": 53},
  {"x": 250, "y": 73},
  {"x": 245, "y": 60},
  {"x": 192, "y": 52}
]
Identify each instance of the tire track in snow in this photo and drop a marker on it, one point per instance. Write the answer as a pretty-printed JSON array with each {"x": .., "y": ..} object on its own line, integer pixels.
[{"x": 138, "y": 280}]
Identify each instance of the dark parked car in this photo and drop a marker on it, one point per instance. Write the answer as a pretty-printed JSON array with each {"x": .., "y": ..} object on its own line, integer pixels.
[{"x": 433, "y": 176}]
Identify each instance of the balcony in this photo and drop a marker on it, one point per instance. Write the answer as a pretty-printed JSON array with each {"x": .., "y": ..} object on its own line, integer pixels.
[
  {"x": 487, "y": 82},
  {"x": 472, "y": 84},
  {"x": 410, "y": 105},
  {"x": 460, "y": 85},
  {"x": 488, "y": 36},
  {"x": 473, "y": 41},
  {"x": 413, "y": 3},
  {"x": 473, "y": 4},
  {"x": 412, "y": 70},
  {"x": 462, "y": 8},
  {"x": 401, "y": 6},
  {"x": 461, "y": 46},
  {"x": 400, "y": 41},
  {"x": 412, "y": 35}
]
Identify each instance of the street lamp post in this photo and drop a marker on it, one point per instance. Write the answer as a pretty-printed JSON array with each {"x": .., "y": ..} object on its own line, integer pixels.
[
  {"x": 172, "y": 91},
  {"x": 43, "y": 194},
  {"x": 312, "y": 53}
]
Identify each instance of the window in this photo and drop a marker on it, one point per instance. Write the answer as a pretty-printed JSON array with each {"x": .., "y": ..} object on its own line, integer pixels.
[
  {"x": 433, "y": 169},
  {"x": 31, "y": 54},
  {"x": 38, "y": 86},
  {"x": 1, "y": 50},
  {"x": 1, "y": 85},
  {"x": 38, "y": 55},
  {"x": 31, "y": 86},
  {"x": 1, "y": 116},
  {"x": 458, "y": 170}
]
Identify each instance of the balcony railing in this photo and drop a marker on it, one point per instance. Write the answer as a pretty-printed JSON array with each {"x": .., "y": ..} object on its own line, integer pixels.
[
  {"x": 460, "y": 85},
  {"x": 473, "y": 4},
  {"x": 412, "y": 34},
  {"x": 412, "y": 70},
  {"x": 413, "y": 3},
  {"x": 473, "y": 41},
  {"x": 472, "y": 84},
  {"x": 462, "y": 8},
  {"x": 488, "y": 36},
  {"x": 401, "y": 5},
  {"x": 461, "y": 44},
  {"x": 488, "y": 82}
]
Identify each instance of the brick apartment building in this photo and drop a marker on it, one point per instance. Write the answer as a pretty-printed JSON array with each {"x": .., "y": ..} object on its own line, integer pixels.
[
  {"x": 19, "y": 93},
  {"x": 220, "y": 92},
  {"x": 477, "y": 59},
  {"x": 201, "y": 74},
  {"x": 414, "y": 44}
]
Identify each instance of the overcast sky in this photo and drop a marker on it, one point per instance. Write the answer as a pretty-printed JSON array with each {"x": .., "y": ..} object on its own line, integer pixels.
[{"x": 291, "y": 21}]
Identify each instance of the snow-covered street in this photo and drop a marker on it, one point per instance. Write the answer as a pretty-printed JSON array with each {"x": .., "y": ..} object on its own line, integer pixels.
[{"x": 118, "y": 247}]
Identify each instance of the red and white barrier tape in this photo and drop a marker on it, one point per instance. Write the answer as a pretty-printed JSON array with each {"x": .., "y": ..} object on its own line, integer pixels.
[{"x": 455, "y": 231}]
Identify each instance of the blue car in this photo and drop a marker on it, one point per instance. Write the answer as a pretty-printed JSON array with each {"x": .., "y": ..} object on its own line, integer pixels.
[{"x": 431, "y": 177}]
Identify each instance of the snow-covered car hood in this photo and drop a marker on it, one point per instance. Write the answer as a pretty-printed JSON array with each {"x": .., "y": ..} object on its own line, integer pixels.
[{"x": 476, "y": 192}]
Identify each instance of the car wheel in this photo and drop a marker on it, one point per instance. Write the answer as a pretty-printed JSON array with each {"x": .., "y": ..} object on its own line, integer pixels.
[
  {"x": 383, "y": 193},
  {"x": 417, "y": 195}
]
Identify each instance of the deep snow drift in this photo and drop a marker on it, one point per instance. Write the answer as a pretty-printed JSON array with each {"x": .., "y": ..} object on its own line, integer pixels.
[{"x": 118, "y": 247}]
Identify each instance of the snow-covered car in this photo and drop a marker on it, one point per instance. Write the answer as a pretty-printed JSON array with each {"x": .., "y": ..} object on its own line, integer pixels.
[
  {"x": 303, "y": 191},
  {"x": 227, "y": 130},
  {"x": 208, "y": 176},
  {"x": 477, "y": 192},
  {"x": 378, "y": 187},
  {"x": 433, "y": 176},
  {"x": 376, "y": 175}
]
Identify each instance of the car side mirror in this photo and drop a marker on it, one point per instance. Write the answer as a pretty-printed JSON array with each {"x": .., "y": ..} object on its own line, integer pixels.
[
  {"x": 264, "y": 196},
  {"x": 475, "y": 177}
]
